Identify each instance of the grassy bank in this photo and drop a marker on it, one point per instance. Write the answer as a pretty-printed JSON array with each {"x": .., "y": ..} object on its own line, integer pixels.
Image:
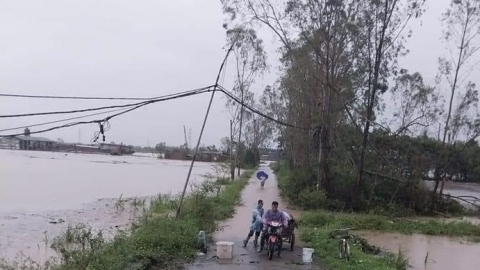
[
  {"x": 157, "y": 241},
  {"x": 317, "y": 226}
]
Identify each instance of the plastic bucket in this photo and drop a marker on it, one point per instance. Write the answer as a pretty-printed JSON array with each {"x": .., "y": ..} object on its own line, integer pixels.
[{"x": 307, "y": 255}]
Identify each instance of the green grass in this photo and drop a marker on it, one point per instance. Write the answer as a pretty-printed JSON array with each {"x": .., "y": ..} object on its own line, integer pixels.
[
  {"x": 317, "y": 228},
  {"x": 382, "y": 223},
  {"x": 157, "y": 241},
  {"x": 326, "y": 248}
]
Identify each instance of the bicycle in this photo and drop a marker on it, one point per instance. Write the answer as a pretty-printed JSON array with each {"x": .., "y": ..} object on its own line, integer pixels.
[{"x": 343, "y": 245}]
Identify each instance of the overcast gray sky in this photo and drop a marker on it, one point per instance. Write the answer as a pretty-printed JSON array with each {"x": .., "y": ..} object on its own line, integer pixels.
[{"x": 142, "y": 49}]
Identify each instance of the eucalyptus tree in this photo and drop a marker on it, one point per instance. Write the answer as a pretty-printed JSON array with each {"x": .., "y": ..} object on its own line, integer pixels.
[
  {"x": 382, "y": 37},
  {"x": 317, "y": 43},
  {"x": 461, "y": 37},
  {"x": 417, "y": 105},
  {"x": 250, "y": 62}
]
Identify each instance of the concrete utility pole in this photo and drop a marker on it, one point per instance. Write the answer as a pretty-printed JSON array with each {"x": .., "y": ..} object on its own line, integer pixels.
[{"x": 201, "y": 130}]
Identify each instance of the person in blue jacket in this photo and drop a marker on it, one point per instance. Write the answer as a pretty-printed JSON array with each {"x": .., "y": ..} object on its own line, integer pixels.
[{"x": 256, "y": 226}]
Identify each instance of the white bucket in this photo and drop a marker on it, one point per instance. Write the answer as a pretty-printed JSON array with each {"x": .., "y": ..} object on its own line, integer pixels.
[{"x": 307, "y": 255}]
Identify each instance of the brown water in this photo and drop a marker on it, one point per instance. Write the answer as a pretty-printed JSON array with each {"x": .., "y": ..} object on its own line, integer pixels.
[
  {"x": 444, "y": 253},
  {"x": 36, "y": 187}
]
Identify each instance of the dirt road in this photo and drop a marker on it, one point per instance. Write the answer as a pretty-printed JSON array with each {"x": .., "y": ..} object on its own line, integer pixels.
[{"x": 236, "y": 229}]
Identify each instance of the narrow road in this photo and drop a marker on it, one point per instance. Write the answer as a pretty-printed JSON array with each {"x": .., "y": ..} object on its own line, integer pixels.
[{"x": 236, "y": 229}]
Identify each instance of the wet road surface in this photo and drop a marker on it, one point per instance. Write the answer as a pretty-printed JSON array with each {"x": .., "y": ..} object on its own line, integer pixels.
[{"x": 236, "y": 229}]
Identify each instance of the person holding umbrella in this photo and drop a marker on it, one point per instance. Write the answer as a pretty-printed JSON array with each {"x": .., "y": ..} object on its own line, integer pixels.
[{"x": 262, "y": 176}]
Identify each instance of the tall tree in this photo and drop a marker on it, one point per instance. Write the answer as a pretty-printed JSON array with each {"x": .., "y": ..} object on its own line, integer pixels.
[
  {"x": 416, "y": 104},
  {"x": 382, "y": 30},
  {"x": 462, "y": 26},
  {"x": 319, "y": 56},
  {"x": 250, "y": 60}
]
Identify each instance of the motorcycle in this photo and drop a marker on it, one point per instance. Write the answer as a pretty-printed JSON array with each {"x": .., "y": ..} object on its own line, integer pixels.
[{"x": 274, "y": 241}]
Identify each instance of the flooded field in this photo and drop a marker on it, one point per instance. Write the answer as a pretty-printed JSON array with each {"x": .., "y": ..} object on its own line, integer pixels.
[
  {"x": 444, "y": 253},
  {"x": 37, "y": 189}
]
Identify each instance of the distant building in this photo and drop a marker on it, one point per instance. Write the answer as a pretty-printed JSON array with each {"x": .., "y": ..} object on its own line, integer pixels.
[
  {"x": 9, "y": 143},
  {"x": 27, "y": 143},
  {"x": 269, "y": 154},
  {"x": 177, "y": 154},
  {"x": 35, "y": 143},
  {"x": 211, "y": 156}
]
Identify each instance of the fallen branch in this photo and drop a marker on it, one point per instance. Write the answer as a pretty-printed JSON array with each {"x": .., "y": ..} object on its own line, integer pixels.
[
  {"x": 441, "y": 214},
  {"x": 460, "y": 199}
]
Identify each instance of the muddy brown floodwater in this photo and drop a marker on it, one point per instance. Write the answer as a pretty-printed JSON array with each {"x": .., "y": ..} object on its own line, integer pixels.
[
  {"x": 39, "y": 187},
  {"x": 236, "y": 229},
  {"x": 444, "y": 253}
]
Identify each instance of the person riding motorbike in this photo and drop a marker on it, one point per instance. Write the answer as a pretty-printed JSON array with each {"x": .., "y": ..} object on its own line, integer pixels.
[
  {"x": 272, "y": 215},
  {"x": 256, "y": 226}
]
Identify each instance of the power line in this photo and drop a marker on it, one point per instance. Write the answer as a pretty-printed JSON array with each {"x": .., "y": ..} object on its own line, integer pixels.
[
  {"x": 258, "y": 112},
  {"x": 195, "y": 91},
  {"x": 134, "y": 106},
  {"x": 74, "y": 97},
  {"x": 61, "y": 120},
  {"x": 105, "y": 120}
]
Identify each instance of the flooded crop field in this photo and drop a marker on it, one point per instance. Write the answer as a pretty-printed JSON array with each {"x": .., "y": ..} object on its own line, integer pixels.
[
  {"x": 429, "y": 252},
  {"x": 41, "y": 193},
  {"x": 435, "y": 252}
]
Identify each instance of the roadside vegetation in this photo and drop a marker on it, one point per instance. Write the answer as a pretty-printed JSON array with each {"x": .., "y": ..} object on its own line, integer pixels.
[
  {"x": 322, "y": 217},
  {"x": 156, "y": 241}
]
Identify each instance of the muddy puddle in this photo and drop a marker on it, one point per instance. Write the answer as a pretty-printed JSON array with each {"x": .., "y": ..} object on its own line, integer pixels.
[
  {"x": 41, "y": 193},
  {"x": 444, "y": 253}
]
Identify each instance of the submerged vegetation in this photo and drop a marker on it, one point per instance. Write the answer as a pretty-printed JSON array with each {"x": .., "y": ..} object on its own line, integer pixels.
[{"x": 156, "y": 241}]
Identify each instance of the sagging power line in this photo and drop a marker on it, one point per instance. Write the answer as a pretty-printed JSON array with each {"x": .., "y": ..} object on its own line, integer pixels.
[
  {"x": 59, "y": 121},
  {"x": 135, "y": 106},
  {"x": 74, "y": 97},
  {"x": 141, "y": 104},
  {"x": 102, "y": 122}
]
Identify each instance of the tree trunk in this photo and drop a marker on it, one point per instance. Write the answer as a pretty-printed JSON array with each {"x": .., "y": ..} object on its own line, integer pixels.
[{"x": 239, "y": 135}]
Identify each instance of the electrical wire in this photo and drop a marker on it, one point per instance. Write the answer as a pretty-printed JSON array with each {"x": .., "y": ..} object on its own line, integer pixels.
[
  {"x": 258, "y": 112},
  {"x": 195, "y": 91},
  {"x": 105, "y": 120},
  {"x": 74, "y": 97},
  {"x": 61, "y": 120},
  {"x": 105, "y": 124}
]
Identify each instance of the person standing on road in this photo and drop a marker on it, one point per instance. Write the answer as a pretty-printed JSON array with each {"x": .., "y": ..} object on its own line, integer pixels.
[{"x": 256, "y": 226}]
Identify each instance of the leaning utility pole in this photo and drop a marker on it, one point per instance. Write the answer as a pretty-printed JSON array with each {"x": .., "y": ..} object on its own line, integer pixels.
[{"x": 201, "y": 131}]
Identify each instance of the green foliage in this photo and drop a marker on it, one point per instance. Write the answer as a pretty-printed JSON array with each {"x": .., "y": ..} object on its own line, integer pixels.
[
  {"x": 252, "y": 158},
  {"x": 397, "y": 189},
  {"x": 157, "y": 241},
  {"x": 327, "y": 248},
  {"x": 382, "y": 223}
]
